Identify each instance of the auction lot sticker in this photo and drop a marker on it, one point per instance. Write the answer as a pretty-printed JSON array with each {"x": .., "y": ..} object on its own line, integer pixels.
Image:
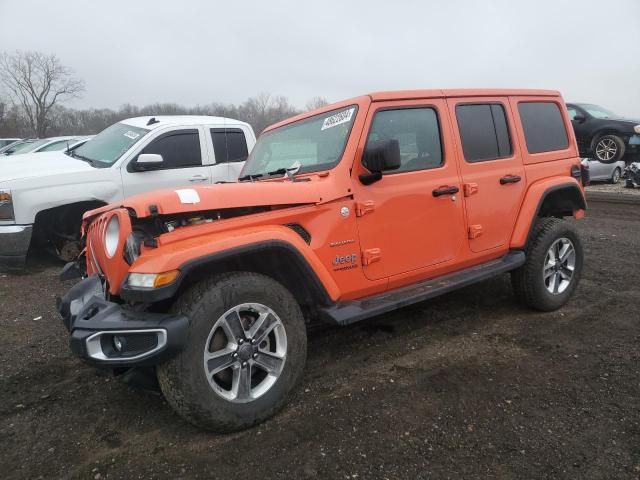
[{"x": 337, "y": 119}]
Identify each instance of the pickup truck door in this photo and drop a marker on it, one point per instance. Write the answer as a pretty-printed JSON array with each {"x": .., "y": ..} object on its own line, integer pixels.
[{"x": 185, "y": 162}]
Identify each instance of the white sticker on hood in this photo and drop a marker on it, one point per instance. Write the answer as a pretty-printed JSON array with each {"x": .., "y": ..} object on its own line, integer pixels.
[
  {"x": 131, "y": 135},
  {"x": 337, "y": 119},
  {"x": 188, "y": 196}
]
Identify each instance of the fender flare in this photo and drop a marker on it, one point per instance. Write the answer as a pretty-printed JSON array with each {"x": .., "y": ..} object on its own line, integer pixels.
[
  {"x": 533, "y": 201},
  {"x": 268, "y": 239}
]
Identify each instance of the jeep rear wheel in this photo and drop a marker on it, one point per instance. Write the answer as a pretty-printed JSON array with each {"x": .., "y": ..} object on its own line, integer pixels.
[
  {"x": 245, "y": 352},
  {"x": 553, "y": 267}
]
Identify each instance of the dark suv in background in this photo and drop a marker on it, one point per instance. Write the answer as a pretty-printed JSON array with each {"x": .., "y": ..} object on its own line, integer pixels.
[{"x": 603, "y": 135}]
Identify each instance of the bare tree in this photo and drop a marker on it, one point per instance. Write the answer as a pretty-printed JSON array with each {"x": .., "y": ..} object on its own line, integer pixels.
[
  {"x": 37, "y": 82},
  {"x": 316, "y": 102}
]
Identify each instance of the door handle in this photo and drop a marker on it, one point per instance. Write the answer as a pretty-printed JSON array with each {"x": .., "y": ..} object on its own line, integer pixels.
[
  {"x": 438, "y": 192},
  {"x": 510, "y": 179},
  {"x": 198, "y": 178}
]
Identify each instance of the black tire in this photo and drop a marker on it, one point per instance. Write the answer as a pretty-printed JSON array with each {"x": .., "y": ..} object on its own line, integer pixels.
[
  {"x": 616, "y": 176},
  {"x": 183, "y": 380},
  {"x": 528, "y": 282},
  {"x": 609, "y": 140}
]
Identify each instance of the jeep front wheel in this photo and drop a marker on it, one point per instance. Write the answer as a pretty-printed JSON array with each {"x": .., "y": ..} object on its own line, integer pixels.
[
  {"x": 554, "y": 258},
  {"x": 245, "y": 352}
]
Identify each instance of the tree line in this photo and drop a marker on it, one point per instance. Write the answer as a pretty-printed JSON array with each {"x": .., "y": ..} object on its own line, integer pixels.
[{"x": 36, "y": 85}]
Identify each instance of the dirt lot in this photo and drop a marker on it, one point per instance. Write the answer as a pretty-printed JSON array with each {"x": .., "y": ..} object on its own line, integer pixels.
[{"x": 471, "y": 385}]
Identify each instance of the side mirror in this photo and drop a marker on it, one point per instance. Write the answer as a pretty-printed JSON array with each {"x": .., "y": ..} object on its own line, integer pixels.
[
  {"x": 378, "y": 157},
  {"x": 148, "y": 161},
  {"x": 579, "y": 118}
]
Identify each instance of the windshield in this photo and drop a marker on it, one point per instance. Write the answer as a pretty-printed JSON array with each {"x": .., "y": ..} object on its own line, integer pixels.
[
  {"x": 57, "y": 146},
  {"x": 316, "y": 142},
  {"x": 107, "y": 147},
  {"x": 26, "y": 147},
  {"x": 599, "y": 112}
]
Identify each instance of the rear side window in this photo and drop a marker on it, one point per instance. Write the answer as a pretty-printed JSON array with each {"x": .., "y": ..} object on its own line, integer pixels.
[
  {"x": 417, "y": 132},
  {"x": 229, "y": 145},
  {"x": 544, "y": 129},
  {"x": 483, "y": 131},
  {"x": 178, "y": 149}
]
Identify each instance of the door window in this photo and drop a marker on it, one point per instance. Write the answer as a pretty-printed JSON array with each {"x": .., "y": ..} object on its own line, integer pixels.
[
  {"x": 484, "y": 132},
  {"x": 544, "y": 129},
  {"x": 229, "y": 145},
  {"x": 417, "y": 132},
  {"x": 179, "y": 149}
]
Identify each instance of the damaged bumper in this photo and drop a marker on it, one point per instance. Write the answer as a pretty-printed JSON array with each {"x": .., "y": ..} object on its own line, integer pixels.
[{"x": 110, "y": 334}]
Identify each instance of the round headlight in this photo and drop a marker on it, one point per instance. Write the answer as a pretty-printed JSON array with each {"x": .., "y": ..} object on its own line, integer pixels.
[{"x": 112, "y": 236}]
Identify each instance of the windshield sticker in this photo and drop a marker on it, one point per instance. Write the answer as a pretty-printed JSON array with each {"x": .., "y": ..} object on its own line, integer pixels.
[
  {"x": 188, "y": 196},
  {"x": 131, "y": 135},
  {"x": 338, "y": 119}
]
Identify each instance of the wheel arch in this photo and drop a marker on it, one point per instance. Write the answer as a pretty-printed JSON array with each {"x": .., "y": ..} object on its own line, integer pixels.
[
  {"x": 601, "y": 132},
  {"x": 63, "y": 216},
  {"x": 299, "y": 271},
  {"x": 555, "y": 198},
  {"x": 276, "y": 259}
]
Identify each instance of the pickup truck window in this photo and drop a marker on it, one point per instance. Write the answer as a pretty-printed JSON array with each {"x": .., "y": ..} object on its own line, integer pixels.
[
  {"x": 316, "y": 142},
  {"x": 229, "y": 145},
  {"x": 179, "y": 149},
  {"x": 483, "y": 131},
  {"x": 543, "y": 127},
  {"x": 417, "y": 132},
  {"x": 107, "y": 147}
]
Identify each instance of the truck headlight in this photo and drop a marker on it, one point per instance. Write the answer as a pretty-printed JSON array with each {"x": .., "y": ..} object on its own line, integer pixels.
[
  {"x": 6, "y": 205},
  {"x": 112, "y": 236},
  {"x": 636, "y": 129},
  {"x": 151, "y": 280}
]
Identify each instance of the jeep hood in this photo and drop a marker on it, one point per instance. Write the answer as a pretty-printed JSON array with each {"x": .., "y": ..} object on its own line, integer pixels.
[
  {"x": 30, "y": 165},
  {"x": 230, "y": 195}
]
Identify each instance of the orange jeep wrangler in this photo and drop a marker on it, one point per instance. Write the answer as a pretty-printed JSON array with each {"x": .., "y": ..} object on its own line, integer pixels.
[{"x": 340, "y": 214}]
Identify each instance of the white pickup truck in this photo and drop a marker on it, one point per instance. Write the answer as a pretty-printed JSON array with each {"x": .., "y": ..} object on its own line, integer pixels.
[{"x": 43, "y": 196}]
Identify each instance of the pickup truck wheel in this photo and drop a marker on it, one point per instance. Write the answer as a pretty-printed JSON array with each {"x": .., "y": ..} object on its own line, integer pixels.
[
  {"x": 245, "y": 352},
  {"x": 609, "y": 149},
  {"x": 553, "y": 266}
]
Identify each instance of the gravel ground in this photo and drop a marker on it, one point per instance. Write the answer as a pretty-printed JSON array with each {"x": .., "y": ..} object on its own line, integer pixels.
[
  {"x": 608, "y": 188},
  {"x": 470, "y": 385}
]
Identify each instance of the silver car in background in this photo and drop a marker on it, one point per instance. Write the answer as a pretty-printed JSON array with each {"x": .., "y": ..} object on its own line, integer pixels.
[{"x": 603, "y": 172}]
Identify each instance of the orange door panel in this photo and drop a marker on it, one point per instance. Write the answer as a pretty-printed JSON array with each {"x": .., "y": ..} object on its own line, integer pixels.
[
  {"x": 491, "y": 167},
  {"x": 402, "y": 225}
]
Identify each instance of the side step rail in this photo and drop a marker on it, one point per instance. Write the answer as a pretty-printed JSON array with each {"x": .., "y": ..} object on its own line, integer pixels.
[{"x": 345, "y": 313}]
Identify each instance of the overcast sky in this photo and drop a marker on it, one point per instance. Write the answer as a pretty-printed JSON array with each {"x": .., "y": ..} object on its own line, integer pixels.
[{"x": 197, "y": 52}]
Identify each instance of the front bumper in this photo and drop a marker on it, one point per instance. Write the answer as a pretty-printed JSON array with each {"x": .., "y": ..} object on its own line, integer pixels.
[
  {"x": 97, "y": 327},
  {"x": 14, "y": 244}
]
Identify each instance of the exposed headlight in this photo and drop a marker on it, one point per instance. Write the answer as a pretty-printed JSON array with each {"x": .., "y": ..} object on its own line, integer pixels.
[
  {"x": 6, "y": 205},
  {"x": 132, "y": 247},
  {"x": 636, "y": 129},
  {"x": 151, "y": 280},
  {"x": 112, "y": 236}
]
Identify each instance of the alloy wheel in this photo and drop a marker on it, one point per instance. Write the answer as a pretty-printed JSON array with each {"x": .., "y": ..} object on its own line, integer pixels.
[
  {"x": 606, "y": 149},
  {"x": 245, "y": 352},
  {"x": 559, "y": 266}
]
